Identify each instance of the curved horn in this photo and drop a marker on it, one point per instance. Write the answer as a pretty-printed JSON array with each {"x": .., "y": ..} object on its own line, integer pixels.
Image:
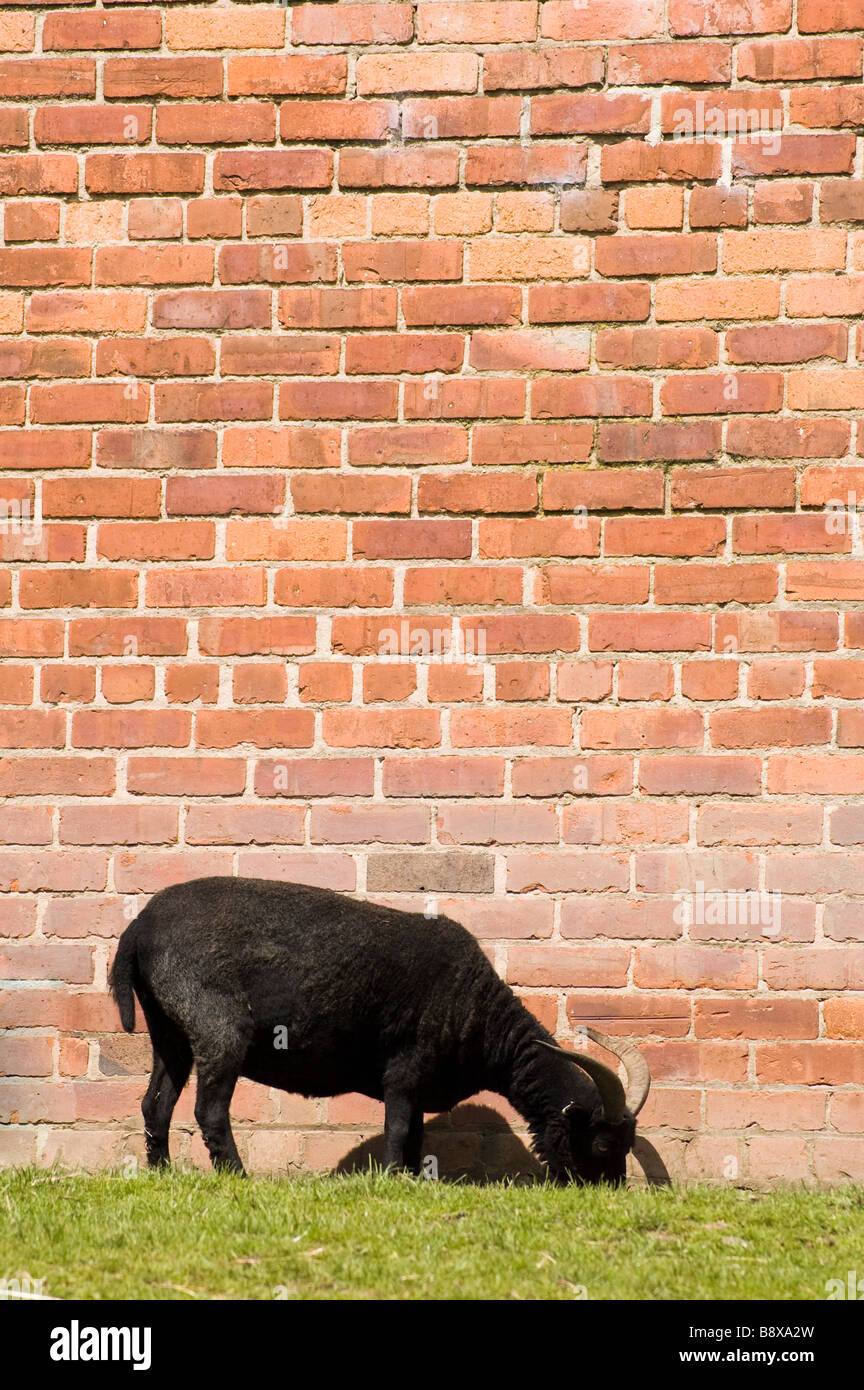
[
  {"x": 611, "y": 1091},
  {"x": 638, "y": 1075}
]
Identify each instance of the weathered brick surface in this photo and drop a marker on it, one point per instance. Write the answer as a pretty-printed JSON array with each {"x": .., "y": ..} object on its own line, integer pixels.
[{"x": 330, "y": 333}]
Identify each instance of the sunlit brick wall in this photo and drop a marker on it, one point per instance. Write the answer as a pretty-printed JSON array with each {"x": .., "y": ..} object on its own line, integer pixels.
[{"x": 430, "y": 469}]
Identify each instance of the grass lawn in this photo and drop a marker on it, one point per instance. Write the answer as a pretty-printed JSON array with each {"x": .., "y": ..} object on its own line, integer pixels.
[{"x": 186, "y": 1235}]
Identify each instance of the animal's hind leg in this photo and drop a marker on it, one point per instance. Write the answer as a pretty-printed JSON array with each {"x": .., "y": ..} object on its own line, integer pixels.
[
  {"x": 212, "y": 1111},
  {"x": 172, "y": 1062},
  {"x": 220, "y": 1041}
]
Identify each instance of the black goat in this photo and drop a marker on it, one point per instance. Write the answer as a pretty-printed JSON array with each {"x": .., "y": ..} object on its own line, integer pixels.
[{"x": 313, "y": 992}]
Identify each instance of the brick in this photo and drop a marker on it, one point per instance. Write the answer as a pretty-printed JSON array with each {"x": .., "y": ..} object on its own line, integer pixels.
[
  {"x": 656, "y": 347},
  {"x": 619, "y": 822},
  {"x": 156, "y": 449},
  {"x": 153, "y": 265},
  {"x": 186, "y": 683},
  {"x": 591, "y": 396},
  {"x": 337, "y": 308},
  {"x": 695, "y": 967},
  {"x": 757, "y": 728},
  {"x": 92, "y": 125},
  {"x": 591, "y": 584},
  {"x": 14, "y": 127},
  {"x": 153, "y": 218},
  {"x": 676, "y": 775},
  {"x": 257, "y": 26},
  {"x": 362, "y": 23},
  {"x": 557, "y": 966},
  {"x": 213, "y": 401},
  {"x": 623, "y": 442},
  {"x": 286, "y": 447},
  {"x": 783, "y": 202},
  {"x": 291, "y": 75},
  {"x": 819, "y": 19},
  {"x": 589, "y": 210},
  {"x": 659, "y": 63},
  {"x": 445, "y": 118},
  {"x": 214, "y": 217},
  {"x": 625, "y": 489},
  {"x": 213, "y": 123},
  {"x": 761, "y": 17},
  {"x": 162, "y": 77},
  {"x": 756, "y": 1018},
  {"x": 37, "y": 267},
  {"x": 468, "y": 398},
  {"x": 500, "y": 165},
  {"x": 635, "y": 161},
  {"x": 546, "y": 536},
  {"x": 402, "y": 260},
  {"x": 48, "y": 77},
  {"x": 783, "y": 250},
  {"x": 608, "y": 19},
  {"x": 243, "y": 170},
  {"x": 580, "y": 113},
  {"x": 135, "y": 29},
  {"x": 528, "y": 259},
  {"x": 22, "y": 174},
  {"x": 585, "y": 871},
  {"x": 510, "y": 727},
  {"x": 715, "y": 583},
  {"x": 653, "y": 209},
  {"x": 460, "y": 214},
  {"x": 48, "y": 357},
  {"x": 416, "y": 72},
  {"x": 339, "y": 120},
  {"x": 469, "y": 305},
  {"x": 101, "y": 497},
  {"x": 723, "y": 393},
  {"x": 669, "y": 536},
  {"x": 212, "y": 309},
  {"x": 770, "y": 60},
  {"x": 258, "y": 728},
  {"x": 247, "y": 636},
  {"x": 720, "y": 299},
  {"x": 787, "y": 439},
  {"x": 460, "y": 585},
  {"x": 777, "y": 631},
  {"x": 718, "y": 207},
  {"x": 180, "y": 588},
  {"x": 18, "y": 33},
  {"x": 594, "y": 303},
  {"x": 58, "y": 775},
  {"x": 350, "y": 825},
  {"x": 782, "y": 343},
  {"x": 133, "y": 173}
]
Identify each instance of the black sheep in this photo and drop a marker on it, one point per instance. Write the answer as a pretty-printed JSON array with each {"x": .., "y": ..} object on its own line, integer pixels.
[{"x": 310, "y": 991}]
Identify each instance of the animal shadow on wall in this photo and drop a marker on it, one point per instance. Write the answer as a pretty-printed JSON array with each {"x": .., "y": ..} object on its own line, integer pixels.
[{"x": 474, "y": 1143}]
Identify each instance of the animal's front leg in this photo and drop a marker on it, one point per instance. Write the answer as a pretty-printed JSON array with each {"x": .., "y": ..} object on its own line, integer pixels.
[
  {"x": 400, "y": 1114},
  {"x": 414, "y": 1144}
]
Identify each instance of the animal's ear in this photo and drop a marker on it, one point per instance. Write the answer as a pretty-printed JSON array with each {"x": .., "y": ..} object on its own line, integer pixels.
[{"x": 576, "y": 1116}]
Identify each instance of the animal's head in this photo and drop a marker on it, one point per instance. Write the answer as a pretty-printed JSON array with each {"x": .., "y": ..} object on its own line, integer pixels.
[{"x": 589, "y": 1143}]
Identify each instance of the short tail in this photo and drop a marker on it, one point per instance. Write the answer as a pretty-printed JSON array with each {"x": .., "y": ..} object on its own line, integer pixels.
[{"x": 122, "y": 978}]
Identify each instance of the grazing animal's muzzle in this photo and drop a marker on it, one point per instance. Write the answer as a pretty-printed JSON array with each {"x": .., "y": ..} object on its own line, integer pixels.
[{"x": 599, "y": 1144}]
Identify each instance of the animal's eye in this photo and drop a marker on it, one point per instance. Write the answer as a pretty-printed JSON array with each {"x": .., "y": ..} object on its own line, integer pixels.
[{"x": 602, "y": 1147}]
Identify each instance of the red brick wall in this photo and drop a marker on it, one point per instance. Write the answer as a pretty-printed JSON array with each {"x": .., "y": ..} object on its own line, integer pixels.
[{"x": 532, "y": 322}]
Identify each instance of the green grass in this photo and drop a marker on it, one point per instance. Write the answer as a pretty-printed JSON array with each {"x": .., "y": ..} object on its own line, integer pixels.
[{"x": 184, "y": 1235}]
